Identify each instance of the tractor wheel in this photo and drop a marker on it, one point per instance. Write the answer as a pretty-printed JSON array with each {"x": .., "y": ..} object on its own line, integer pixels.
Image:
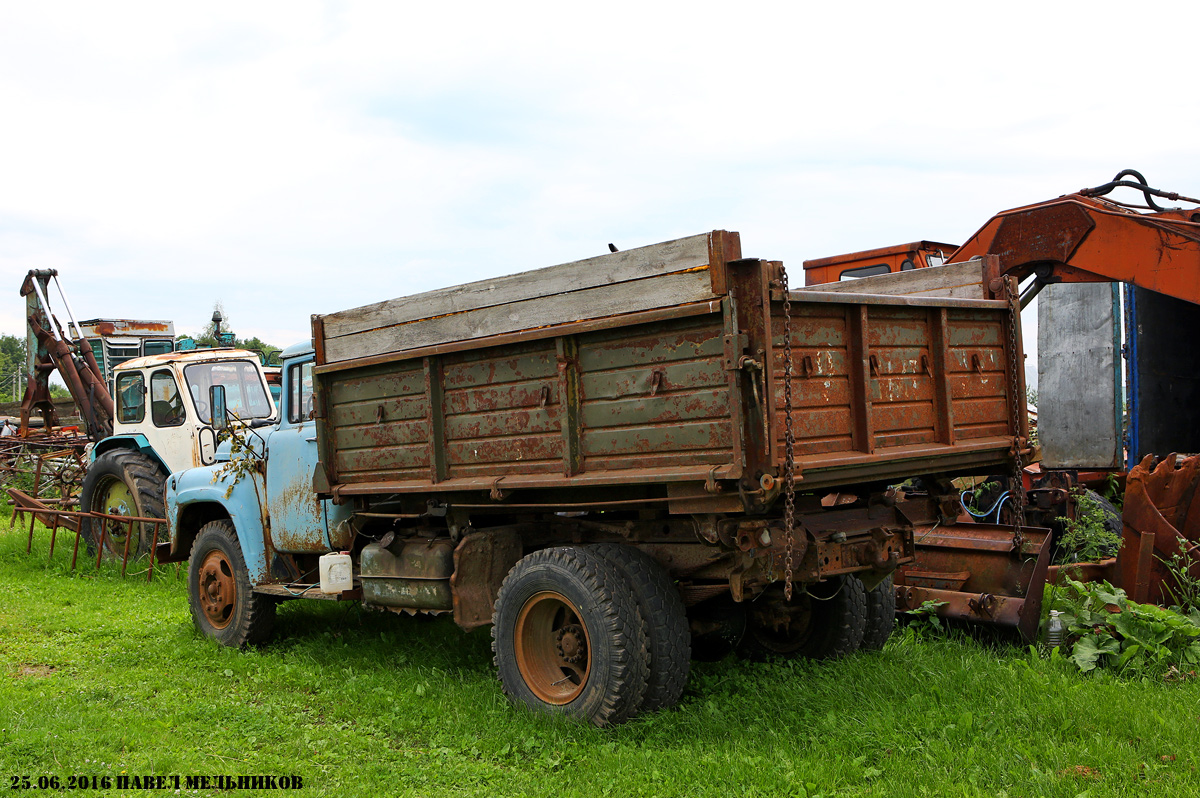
[
  {"x": 224, "y": 605},
  {"x": 568, "y": 637},
  {"x": 881, "y": 614},
  {"x": 824, "y": 621},
  {"x": 122, "y": 482},
  {"x": 666, "y": 623}
]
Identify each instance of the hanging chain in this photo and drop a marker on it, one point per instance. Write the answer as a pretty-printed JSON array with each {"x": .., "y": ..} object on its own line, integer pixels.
[
  {"x": 789, "y": 439},
  {"x": 1018, "y": 489}
]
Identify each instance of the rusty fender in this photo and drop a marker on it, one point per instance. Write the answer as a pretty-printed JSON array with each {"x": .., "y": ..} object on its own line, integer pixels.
[{"x": 195, "y": 496}]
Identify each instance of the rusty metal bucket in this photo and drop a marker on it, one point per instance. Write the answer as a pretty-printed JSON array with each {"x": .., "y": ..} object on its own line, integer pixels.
[
  {"x": 1162, "y": 521},
  {"x": 982, "y": 572}
]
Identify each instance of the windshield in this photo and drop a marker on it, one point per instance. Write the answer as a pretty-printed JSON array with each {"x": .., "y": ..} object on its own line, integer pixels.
[{"x": 244, "y": 392}]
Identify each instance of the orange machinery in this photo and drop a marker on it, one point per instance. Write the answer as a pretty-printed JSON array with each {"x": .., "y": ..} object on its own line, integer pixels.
[{"x": 1079, "y": 237}]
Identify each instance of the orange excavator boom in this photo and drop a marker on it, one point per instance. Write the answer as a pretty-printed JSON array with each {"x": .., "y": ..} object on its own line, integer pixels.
[{"x": 1083, "y": 237}]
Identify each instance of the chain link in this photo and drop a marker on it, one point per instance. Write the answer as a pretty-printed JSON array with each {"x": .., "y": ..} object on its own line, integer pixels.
[
  {"x": 1018, "y": 489},
  {"x": 789, "y": 440}
]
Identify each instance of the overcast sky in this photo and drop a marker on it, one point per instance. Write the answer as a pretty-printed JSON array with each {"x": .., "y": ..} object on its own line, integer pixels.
[{"x": 303, "y": 157}]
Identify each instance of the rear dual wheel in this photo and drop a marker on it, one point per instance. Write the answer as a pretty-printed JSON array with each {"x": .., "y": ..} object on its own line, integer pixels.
[
  {"x": 667, "y": 633},
  {"x": 594, "y": 633},
  {"x": 825, "y": 620},
  {"x": 568, "y": 637}
]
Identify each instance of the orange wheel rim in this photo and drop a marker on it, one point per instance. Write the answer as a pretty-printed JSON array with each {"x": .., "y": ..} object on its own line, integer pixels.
[
  {"x": 218, "y": 589},
  {"x": 553, "y": 648}
]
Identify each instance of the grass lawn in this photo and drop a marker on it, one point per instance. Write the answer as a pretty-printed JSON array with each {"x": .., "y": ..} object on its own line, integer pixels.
[{"x": 104, "y": 676}]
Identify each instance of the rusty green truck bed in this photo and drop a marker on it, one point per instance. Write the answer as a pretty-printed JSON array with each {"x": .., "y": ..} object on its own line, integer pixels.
[{"x": 659, "y": 372}]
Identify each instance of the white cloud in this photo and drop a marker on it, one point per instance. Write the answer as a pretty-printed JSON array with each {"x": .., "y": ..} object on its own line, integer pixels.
[{"x": 292, "y": 158}]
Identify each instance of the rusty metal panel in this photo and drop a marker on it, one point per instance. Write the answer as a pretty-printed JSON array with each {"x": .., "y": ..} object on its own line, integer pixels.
[
  {"x": 379, "y": 422},
  {"x": 660, "y": 393},
  {"x": 978, "y": 374},
  {"x": 902, "y": 391},
  {"x": 879, "y": 382},
  {"x": 503, "y": 411},
  {"x": 821, "y": 388}
]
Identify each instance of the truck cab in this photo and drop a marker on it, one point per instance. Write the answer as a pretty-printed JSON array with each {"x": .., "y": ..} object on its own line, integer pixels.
[{"x": 251, "y": 523}]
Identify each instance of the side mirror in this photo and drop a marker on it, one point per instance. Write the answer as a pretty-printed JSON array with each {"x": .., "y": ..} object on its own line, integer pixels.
[{"x": 216, "y": 403}]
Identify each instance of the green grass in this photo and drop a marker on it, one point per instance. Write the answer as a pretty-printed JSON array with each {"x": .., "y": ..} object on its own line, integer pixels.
[{"x": 102, "y": 675}]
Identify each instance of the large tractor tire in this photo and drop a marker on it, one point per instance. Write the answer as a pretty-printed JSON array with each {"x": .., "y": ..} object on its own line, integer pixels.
[
  {"x": 224, "y": 605},
  {"x": 825, "y": 621},
  {"x": 881, "y": 614},
  {"x": 568, "y": 637},
  {"x": 123, "y": 482},
  {"x": 666, "y": 623}
]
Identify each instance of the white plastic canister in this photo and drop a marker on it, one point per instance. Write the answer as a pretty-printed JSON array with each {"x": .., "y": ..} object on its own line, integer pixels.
[{"x": 337, "y": 572}]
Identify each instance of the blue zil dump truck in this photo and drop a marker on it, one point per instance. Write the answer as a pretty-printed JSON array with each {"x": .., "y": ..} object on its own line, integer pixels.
[{"x": 616, "y": 464}]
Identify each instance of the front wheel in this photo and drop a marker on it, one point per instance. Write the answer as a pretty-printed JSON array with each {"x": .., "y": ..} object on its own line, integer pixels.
[
  {"x": 569, "y": 638},
  {"x": 224, "y": 605}
]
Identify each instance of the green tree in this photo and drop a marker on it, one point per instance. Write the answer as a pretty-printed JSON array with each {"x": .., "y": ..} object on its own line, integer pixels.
[
  {"x": 208, "y": 336},
  {"x": 12, "y": 364}
]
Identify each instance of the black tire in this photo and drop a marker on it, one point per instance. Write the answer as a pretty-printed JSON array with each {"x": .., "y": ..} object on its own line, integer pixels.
[
  {"x": 568, "y": 637},
  {"x": 666, "y": 623},
  {"x": 123, "y": 482},
  {"x": 881, "y": 614},
  {"x": 224, "y": 605},
  {"x": 824, "y": 621},
  {"x": 1112, "y": 516}
]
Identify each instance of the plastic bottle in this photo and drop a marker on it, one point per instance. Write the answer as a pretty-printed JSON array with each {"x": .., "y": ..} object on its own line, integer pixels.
[
  {"x": 1054, "y": 630},
  {"x": 337, "y": 572}
]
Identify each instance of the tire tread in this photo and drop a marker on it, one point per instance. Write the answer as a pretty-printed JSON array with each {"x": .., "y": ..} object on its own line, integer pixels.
[
  {"x": 666, "y": 620},
  {"x": 881, "y": 614}
]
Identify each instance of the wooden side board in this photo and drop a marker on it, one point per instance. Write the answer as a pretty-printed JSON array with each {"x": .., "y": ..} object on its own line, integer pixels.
[
  {"x": 966, "y": 280},
  {"x": 657, "y": 276}
]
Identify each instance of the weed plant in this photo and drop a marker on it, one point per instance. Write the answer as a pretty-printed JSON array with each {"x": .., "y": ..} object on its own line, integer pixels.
[
  {"x": 104, "y": 675},
  {"x": 1107, "y": 630},
  {"x": 1089, "y": 536}
]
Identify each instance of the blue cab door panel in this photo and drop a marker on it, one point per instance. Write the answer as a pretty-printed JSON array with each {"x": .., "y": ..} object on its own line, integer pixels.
[{"x": 298, "y": 521}]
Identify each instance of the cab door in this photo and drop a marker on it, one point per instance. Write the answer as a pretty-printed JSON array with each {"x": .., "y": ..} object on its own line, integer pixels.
[{"x": 298, "y": 520}]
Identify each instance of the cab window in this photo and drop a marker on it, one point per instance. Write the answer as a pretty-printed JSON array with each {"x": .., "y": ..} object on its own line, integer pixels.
[
  {"x": 166, "y": 405},
  {"x": 864, "y": 271},
  {"x": 300, "y": 392},
  {"x": 244, "y": 390},
  {"x": 131, "y": 398}
]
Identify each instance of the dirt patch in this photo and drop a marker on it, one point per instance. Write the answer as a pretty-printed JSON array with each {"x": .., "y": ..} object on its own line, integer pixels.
[
  {"x": 36, "y": 670},
  {"x": 1082, "y": 772}
]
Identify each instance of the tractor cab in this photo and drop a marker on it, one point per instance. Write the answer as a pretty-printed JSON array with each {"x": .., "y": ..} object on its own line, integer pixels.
[{"x": 161, "y": 403}]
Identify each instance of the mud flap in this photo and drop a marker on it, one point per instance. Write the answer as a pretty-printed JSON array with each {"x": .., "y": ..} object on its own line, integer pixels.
[
  {"x": 980, "y": 573},
  {"x": 481, "y": 561}
]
